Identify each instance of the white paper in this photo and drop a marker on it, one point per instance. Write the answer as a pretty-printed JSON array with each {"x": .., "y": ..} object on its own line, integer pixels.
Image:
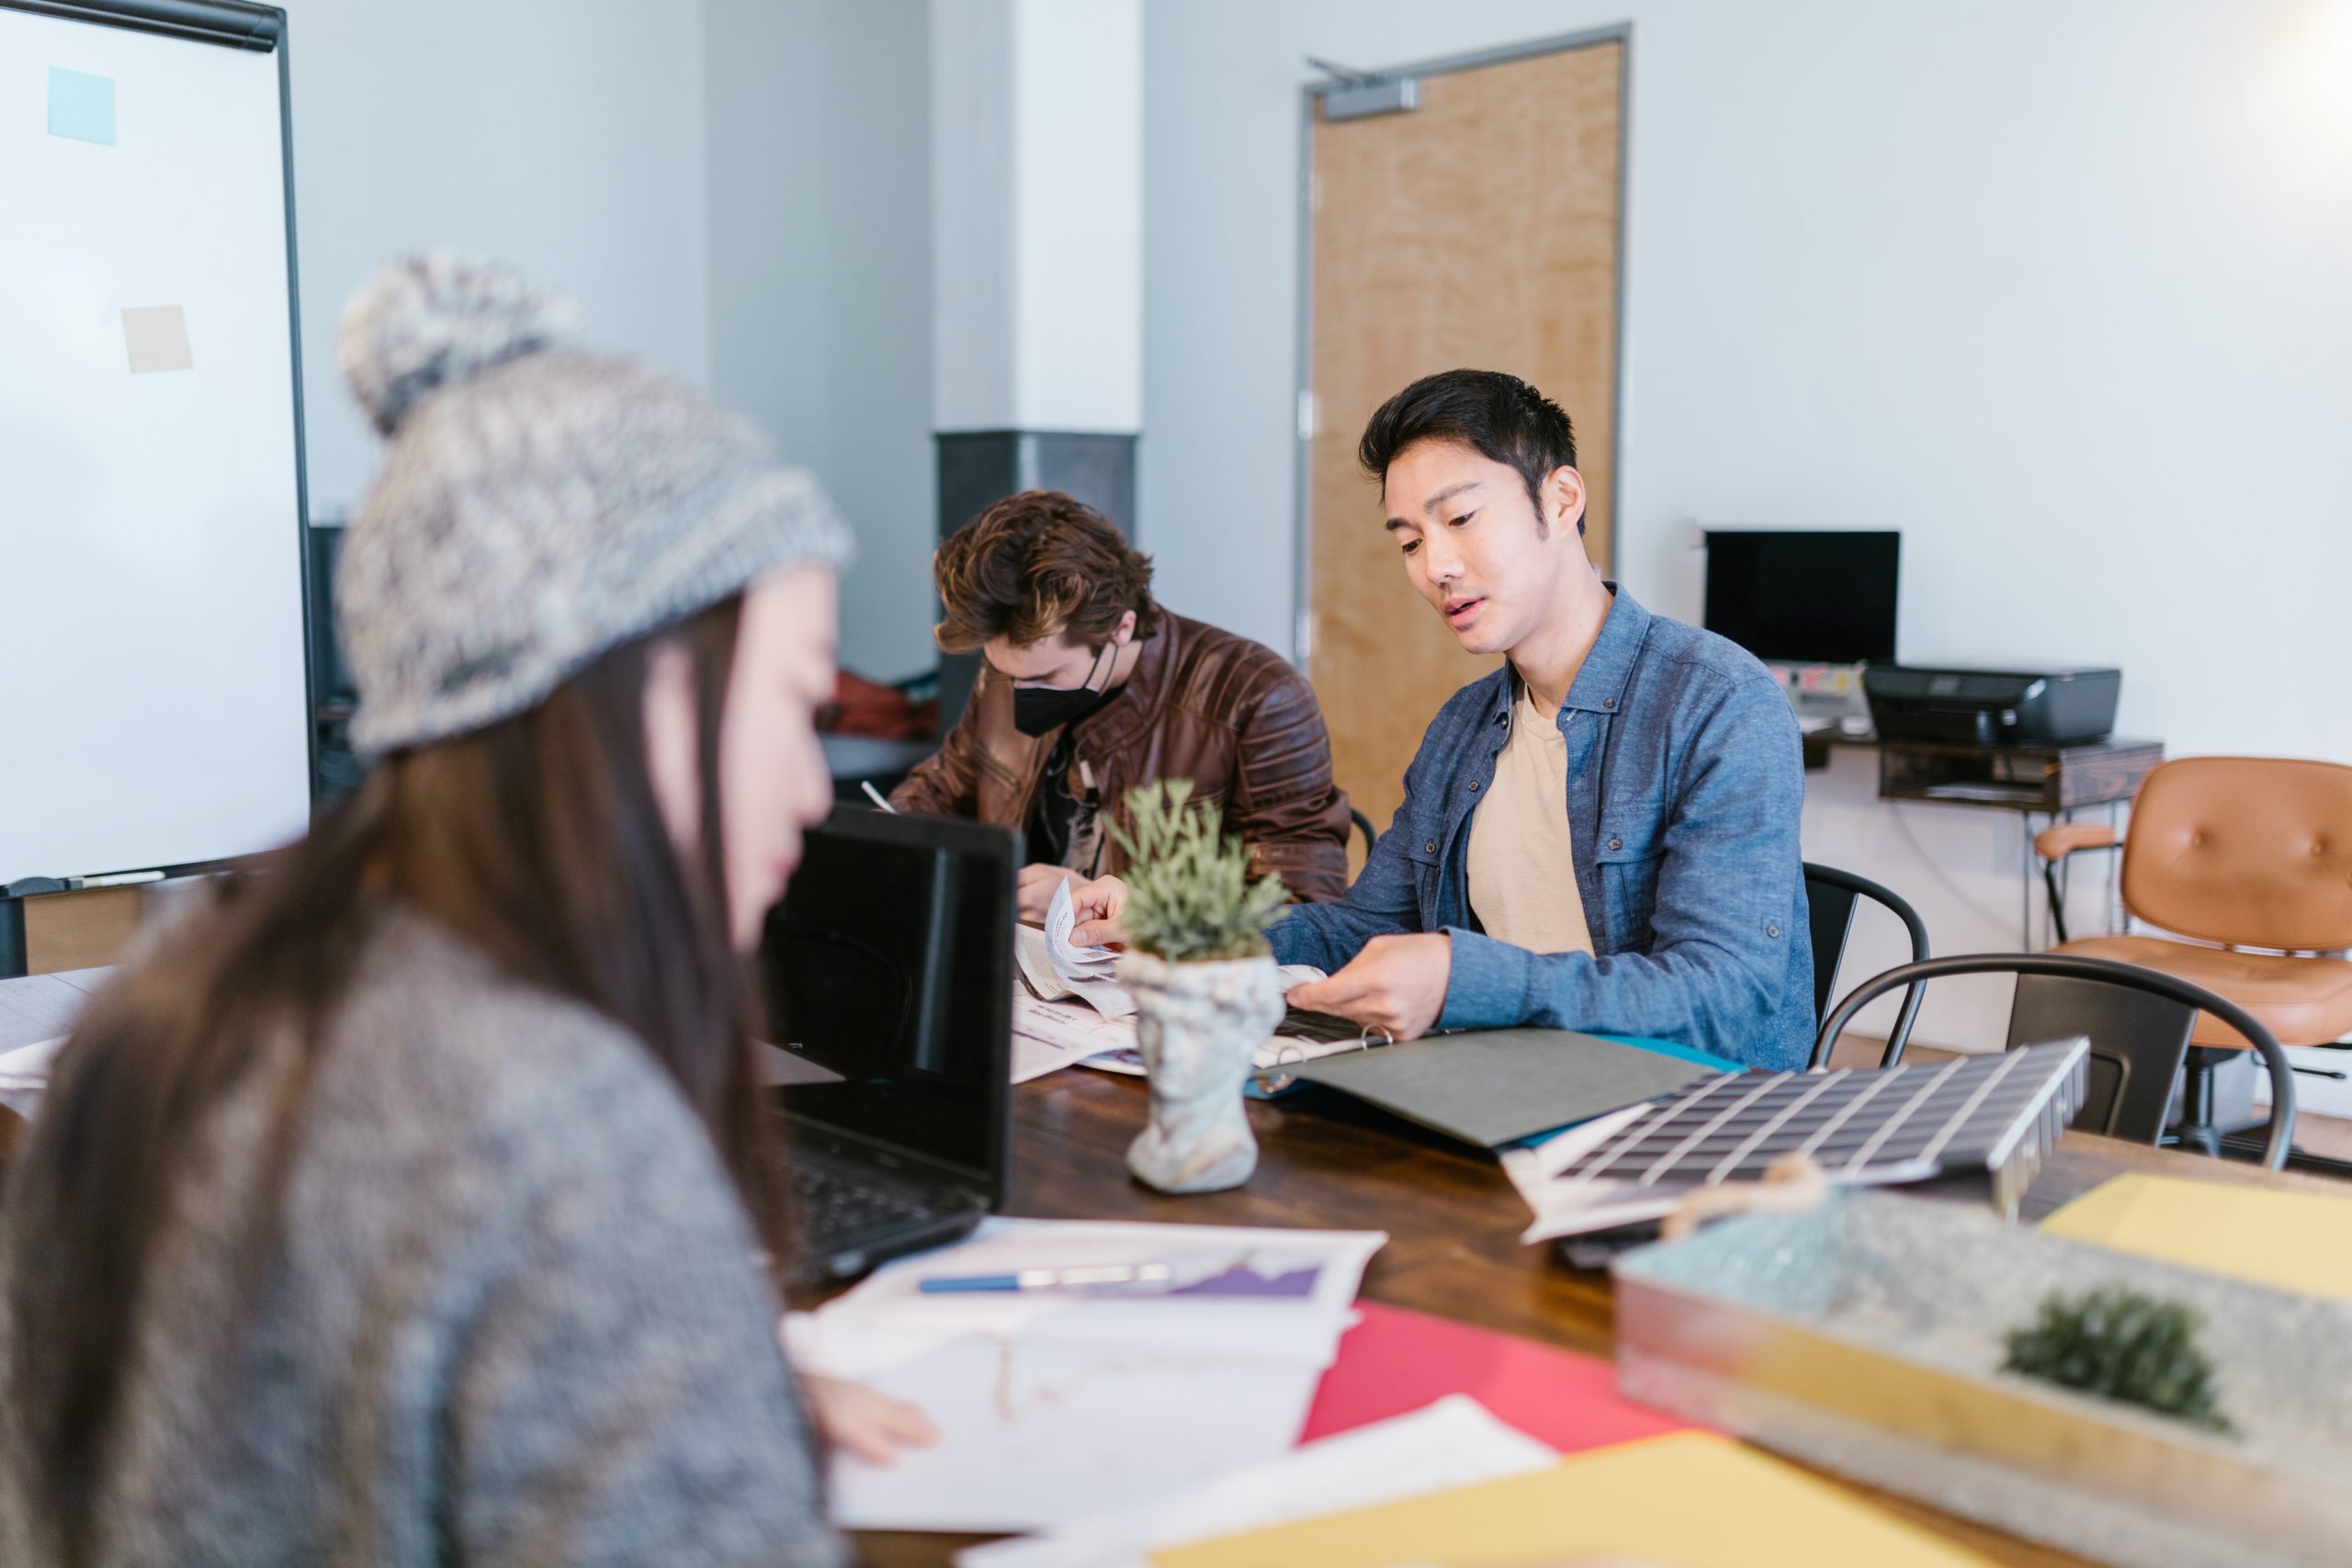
[
  {"x": 1072, "y": 961},
  {"x": 24, "y": 1075},
  {"x": 1037, "y": 963},
  {"x": 1276, "y": 1328},
  {"x": 1286, "y": 1050},
  {"x": 1047, "y": 1036},
  {"x": 1452, "y": 1443},
  {"x": 1127, "y": 1064},
  {"x": 1282, "y": 1051},
  {"x": 1089, "y": 971},
  {"x": 1106, "y": 996},
  {"x": 1548, "y": 1158},
  {"x": 1050, "y": 1406},
  {"x": 1030, "y": 1435}
]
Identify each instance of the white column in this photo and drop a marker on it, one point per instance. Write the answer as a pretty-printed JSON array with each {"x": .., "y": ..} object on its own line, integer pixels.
[{"x": 1037, "y": 215}]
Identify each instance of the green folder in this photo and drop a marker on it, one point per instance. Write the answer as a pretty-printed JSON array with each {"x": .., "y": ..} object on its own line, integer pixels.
[{"x": 1493, "y": 1086}]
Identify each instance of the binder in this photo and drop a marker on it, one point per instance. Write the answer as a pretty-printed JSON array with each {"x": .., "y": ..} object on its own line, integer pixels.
[{"x": 1491, "y": 1087}]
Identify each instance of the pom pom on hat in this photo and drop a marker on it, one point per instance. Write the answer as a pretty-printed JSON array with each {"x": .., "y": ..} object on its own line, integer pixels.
[{"x": 425, "y": 321}]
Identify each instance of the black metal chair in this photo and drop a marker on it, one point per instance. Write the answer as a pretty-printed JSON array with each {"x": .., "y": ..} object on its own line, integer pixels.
[
  {"x": 1830, "y": 895},
  {"x": 1364, "y": 826},
  {"x": 2138, "y": 1021}
]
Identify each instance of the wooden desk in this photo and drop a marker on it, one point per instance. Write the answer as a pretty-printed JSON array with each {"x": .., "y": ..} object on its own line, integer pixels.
[
  {"x": 1452, "y": 1218},
  {"x": 2048, "y": 779},
  {"x": 1453, "y": 1221},
  {"x": 2053, "y": 782}
]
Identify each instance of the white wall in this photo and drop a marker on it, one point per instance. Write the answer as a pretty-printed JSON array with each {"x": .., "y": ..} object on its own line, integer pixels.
[
  {"x": 2059, "y": 290},
  {"x": 820, "y": 255},
  {"x": 1078, "y": 71},
  {"x": 565, "y": 137},
  {"x": 1037, "y": 189}
]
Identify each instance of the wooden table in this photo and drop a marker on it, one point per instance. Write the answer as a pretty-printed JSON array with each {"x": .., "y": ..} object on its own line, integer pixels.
[{"x": 1453, "y": 1221}]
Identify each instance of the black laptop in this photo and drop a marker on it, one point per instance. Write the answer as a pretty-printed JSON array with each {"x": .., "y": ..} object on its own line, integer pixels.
[{"x": 888, "y": 974}]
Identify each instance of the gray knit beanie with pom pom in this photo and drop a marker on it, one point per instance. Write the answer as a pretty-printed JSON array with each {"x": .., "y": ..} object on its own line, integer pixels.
[{"x": 538, "y": 505}]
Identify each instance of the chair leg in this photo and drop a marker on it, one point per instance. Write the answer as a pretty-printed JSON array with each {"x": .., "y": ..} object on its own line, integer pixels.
[
  {"x": 2057, "y": 899},
  {"x": 2196, "y": 1125}
]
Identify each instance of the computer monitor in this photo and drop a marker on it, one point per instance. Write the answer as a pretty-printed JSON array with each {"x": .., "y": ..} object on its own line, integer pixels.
[
  {"x": 1805, "y": 596},
  {"x": 887, "y": 969}
]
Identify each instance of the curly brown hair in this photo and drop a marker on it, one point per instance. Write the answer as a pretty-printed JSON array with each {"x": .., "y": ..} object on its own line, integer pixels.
[{"x": 1037, "y": 564}]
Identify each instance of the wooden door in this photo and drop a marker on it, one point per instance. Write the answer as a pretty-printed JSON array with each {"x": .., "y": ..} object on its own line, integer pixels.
[{"x": 1479, "y": 229}]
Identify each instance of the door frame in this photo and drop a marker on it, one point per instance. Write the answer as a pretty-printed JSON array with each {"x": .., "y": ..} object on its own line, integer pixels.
[{"x": 1303, "y": 409}]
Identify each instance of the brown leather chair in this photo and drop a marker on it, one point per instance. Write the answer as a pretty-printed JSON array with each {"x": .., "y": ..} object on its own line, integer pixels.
[{"x": 2241, "y": 852}]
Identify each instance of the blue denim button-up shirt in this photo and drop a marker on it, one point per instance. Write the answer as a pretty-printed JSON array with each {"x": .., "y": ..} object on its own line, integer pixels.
[{"x": 1686, "y": 784}]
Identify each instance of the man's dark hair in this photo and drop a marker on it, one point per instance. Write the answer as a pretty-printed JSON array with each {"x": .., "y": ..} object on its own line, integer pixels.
[{"x": 1500, "y": 416}]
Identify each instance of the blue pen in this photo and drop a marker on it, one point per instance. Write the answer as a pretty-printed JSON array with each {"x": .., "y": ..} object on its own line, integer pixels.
[{"x": 1097, "y": 1275}]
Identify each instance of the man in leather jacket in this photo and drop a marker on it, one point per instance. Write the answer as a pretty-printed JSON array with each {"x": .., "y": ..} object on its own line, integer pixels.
[{"x": 1088, "y": 689}]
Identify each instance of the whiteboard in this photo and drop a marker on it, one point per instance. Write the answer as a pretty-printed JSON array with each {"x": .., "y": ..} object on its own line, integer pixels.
[{"x": 155, "y": 700}]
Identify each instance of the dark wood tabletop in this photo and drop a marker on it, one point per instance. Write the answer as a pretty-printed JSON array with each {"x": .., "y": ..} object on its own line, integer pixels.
[
  {"x": 1327, "y": 1162},
  {"x": 1453, "y": 1224}
]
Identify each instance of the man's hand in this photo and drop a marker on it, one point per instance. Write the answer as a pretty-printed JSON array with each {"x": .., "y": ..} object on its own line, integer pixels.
[
  {"x": 1395, "y": 985},
  {"x": 872, "y": 1427},
  {"x": 1034, "y": 891},
  {"x": 1098, "y": 904}
]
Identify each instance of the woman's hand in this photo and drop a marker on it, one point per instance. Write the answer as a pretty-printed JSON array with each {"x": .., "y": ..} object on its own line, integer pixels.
[
  {"x": 1098, "y": 904},
  {"x": 858, "y": 1420}
]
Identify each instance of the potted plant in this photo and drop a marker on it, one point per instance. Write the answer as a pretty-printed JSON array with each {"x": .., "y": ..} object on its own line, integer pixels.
[{"x": 1203, "y": 982}]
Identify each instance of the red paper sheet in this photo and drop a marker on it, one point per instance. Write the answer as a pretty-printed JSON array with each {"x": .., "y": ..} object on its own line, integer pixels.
[{"x": 1394, "y": 1362}]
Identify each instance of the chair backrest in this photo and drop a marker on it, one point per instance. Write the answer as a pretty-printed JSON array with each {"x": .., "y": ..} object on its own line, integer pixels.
[
  {"x": 2255, "y": 852},
  {"x": 2139, "y": 1040},
  {"x": 2142, "y": 1047},
  {"x": 1830, "y": 895},
  {"x": 1363, "y": 825}
]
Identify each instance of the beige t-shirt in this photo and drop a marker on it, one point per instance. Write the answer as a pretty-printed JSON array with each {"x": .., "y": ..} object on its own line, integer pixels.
[{"x": 1522, "y": 874}]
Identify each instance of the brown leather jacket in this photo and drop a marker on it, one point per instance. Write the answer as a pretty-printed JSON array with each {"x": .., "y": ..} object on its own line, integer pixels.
[{"x": 1204, "y": 704}]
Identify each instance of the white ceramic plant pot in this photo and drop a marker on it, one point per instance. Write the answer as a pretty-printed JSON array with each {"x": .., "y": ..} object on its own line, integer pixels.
[{"x": 1199, "y": 1025}]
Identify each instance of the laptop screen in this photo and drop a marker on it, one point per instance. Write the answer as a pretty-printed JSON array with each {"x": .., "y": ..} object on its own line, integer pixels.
[{"x": 889, "y": 972}]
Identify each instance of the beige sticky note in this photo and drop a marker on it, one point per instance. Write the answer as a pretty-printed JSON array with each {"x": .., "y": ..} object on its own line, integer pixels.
[{"x": 157, "y": 335}]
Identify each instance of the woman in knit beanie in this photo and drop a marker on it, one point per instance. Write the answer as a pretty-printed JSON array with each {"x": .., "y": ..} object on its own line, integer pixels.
[{"x": 415, "y": 1204}]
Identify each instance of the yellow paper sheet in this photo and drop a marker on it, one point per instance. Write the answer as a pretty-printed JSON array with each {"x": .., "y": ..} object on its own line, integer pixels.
[
  {"x": 1687, "y": 1500},
  {"x": 2292, "y": 1241}
]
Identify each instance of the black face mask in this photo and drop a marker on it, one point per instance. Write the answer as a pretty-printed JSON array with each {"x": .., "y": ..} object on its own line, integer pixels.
[{"x": 1040, "y": 710}]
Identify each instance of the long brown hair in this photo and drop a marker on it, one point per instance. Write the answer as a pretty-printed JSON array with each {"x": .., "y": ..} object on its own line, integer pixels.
[{"x": 540, "y": 841}]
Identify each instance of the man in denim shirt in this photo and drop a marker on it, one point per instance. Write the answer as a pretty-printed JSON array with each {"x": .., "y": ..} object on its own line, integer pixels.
[{"x": 1602, "y": 835}]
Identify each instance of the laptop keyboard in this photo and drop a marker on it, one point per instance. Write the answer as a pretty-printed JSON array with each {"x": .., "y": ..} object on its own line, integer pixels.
[{"x": 833, "y": 1205}]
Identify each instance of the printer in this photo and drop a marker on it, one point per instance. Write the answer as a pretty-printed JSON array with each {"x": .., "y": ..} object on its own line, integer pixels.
[{"x": 1991, "y": 707}]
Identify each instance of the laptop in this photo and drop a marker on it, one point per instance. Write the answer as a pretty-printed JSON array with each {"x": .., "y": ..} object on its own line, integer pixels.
[{"x": 887, "y": 970}]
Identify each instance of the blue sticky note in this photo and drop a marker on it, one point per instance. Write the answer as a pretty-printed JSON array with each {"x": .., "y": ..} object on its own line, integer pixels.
[{"x": 81, "y": 105}]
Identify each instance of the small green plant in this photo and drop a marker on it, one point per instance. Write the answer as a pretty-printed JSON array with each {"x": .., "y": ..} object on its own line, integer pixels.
[
  {"x": 1190, "y": 900},
  {"x": 2122, "y": 1345}
]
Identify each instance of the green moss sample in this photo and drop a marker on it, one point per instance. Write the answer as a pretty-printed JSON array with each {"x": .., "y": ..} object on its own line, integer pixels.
[{"x": 2120, "y": 1345}]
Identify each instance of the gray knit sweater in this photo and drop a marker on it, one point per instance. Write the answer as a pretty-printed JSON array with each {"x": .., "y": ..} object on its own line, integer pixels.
[{"x": 514, "y": 1318}]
